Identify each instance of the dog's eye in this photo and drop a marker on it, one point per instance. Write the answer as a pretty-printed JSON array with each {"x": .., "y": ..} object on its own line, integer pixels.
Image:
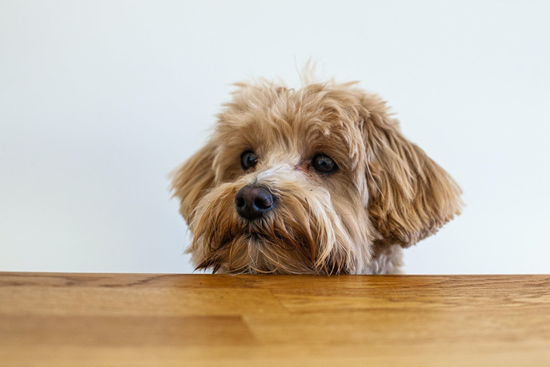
[
  {"x": 324, "y": 164},
  {"x": 248, "y": 160}
]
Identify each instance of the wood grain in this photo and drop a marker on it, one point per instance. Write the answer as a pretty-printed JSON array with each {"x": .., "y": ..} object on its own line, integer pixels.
[{"x": 219, "y": 320}]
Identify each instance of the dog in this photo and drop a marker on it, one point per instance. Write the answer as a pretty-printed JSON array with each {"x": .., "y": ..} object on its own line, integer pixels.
[{"x": 315, "y": 180}]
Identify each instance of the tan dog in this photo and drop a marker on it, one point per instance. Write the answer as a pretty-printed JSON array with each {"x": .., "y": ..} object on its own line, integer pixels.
[{"x": 318, "y": 180}]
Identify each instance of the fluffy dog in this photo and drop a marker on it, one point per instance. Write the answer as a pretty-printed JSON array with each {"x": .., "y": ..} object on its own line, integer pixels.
[{"x": 318, "y": 180}]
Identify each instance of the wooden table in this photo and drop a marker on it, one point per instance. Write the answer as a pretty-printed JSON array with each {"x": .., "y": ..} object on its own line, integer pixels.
[{"x": 218, "y": 320}]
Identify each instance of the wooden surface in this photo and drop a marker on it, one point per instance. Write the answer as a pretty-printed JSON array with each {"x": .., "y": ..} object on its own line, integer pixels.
[{"x": 218, "y": 320}]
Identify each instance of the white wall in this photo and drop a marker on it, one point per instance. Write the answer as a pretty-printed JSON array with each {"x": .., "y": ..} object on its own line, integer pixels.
[{"x": 100, "y": 100}]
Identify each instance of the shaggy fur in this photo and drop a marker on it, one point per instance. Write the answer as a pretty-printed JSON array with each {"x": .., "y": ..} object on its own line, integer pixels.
[{"x": 387, "y": 193}]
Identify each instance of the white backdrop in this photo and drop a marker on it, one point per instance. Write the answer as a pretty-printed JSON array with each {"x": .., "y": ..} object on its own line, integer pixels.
[{"x": 100, "y": 100}]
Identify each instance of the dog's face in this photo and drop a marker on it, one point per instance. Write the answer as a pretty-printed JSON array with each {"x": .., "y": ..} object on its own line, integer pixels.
[{"x": 316, "y": 180}]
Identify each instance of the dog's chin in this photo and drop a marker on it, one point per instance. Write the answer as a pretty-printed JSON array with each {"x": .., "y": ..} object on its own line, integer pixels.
[
  {"x": 272, "y": 248},
  {"x": 257, "y": 253}
]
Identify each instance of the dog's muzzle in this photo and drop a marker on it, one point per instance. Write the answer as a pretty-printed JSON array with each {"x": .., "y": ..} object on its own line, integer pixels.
[{"x": 253, "y": 201}]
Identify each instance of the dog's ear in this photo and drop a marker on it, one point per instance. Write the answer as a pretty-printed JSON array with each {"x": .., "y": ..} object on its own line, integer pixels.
[
  {"x": 410, "y": 196},
  {"x": 193, "y": 178}
]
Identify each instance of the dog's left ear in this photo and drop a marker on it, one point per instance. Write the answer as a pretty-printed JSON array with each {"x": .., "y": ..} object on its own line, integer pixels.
[
  {"x": 410, "y": 196},
  {"x": 191, "y": 181}
]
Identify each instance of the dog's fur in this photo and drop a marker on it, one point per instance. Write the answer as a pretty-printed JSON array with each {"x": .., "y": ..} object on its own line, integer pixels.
[{"x": 387, "y": 193}]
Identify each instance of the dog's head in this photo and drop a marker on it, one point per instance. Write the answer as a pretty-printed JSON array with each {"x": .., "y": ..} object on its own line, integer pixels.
[{"x": 314, "y": 180}]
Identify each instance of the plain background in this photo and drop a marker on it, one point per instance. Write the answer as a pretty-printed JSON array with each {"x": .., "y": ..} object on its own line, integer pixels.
[{"x": 99, "y": 100}]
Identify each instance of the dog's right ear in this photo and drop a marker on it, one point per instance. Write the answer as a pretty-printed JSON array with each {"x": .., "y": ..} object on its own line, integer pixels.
[{"x": 193, "y": 178}]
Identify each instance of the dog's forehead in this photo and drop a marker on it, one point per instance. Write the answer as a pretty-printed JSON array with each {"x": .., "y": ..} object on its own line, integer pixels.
[{"x": 288, "y": 119}]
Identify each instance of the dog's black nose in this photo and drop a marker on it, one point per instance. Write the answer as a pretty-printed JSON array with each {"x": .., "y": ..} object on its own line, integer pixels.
[{"x": 252, "y": 202}]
